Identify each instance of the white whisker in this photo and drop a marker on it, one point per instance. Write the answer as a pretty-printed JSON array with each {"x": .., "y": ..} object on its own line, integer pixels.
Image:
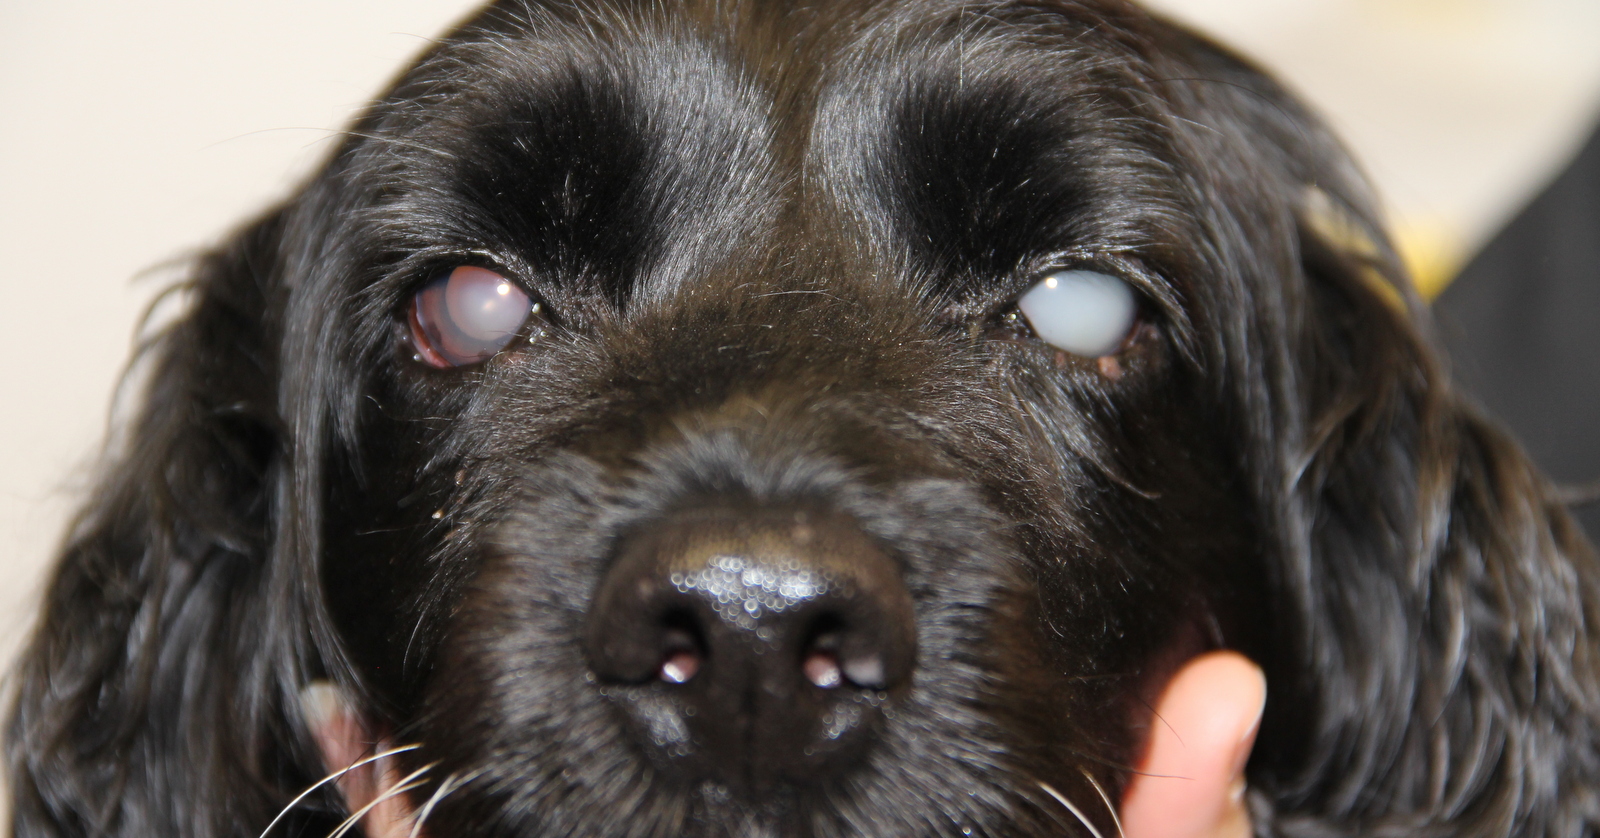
[
  {"x": 450, "y": 784},
  {"x": 1115, "y": 819},
  {"x": 1076, "y": 812},
  {"x": 405, "y": 784},
  {"x": 330, "y": 778},
  {"x": 445, "y": 787}
]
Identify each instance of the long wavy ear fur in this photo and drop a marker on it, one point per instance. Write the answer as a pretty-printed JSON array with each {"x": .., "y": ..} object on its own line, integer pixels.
[
  {"x": 1434, "y": 667},
  {"x": 1441, "y": 677},
  {"x": 1449, "y": 602},
  {"x": 151, "y": 701}
]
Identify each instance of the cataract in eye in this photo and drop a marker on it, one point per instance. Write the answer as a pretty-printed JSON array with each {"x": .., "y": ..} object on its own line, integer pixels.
[
  {"x": 466, "y": 315},
  {"x": 1083, "y": 312}
]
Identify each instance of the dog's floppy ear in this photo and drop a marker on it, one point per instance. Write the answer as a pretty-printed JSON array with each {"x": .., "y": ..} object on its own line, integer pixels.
[
  {"x": 1446, "y": 604},
  {"x": 1431, "y": 668},
  {"x": 152, "y": 699}
]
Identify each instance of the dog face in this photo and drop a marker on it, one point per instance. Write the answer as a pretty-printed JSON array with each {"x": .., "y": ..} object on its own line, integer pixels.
[
  {"x": 772, "y": 511},
  {"x": 737, "y": 419}
]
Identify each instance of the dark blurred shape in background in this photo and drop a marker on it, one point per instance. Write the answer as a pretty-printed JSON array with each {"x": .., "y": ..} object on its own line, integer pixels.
[{"x": 1522, "y": 322}]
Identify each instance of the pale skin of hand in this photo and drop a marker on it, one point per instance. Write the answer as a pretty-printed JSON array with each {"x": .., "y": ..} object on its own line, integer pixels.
[{"x": 1190, "y": 783}]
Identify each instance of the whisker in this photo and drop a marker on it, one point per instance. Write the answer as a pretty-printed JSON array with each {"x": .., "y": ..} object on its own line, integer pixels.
[
  {"x": 449, "y": 785},
  {"x": 445, "y": 787},
  {"x": 349, "y": 823},
  {"x": 405, "y": 784},
  {"x": 330, "y": 778},
  {"x": 1076, "y": 812},
  {"x": 1115, "y": 818}
]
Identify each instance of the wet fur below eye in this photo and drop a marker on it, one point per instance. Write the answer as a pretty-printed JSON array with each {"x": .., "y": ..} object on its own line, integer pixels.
[{"x": 780, "y": 534}]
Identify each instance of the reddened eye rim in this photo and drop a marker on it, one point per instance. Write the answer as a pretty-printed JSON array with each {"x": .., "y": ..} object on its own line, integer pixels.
[
  {"x": 420, "y": 343},
  {"x": 466, "y": 315}
]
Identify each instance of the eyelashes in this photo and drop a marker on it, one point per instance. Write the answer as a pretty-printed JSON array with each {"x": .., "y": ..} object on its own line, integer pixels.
[{"x": 466, "y": 315}]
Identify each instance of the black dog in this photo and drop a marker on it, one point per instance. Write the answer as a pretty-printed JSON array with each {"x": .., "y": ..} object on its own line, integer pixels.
[{"x": 753, "y": 419}]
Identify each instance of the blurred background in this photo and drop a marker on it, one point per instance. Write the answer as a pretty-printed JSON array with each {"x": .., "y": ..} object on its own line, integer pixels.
[{"x": 133, "y": 133}]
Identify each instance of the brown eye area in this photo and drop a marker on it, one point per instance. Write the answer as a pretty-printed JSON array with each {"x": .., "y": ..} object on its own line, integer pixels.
[{"x": 467, "y": 315}]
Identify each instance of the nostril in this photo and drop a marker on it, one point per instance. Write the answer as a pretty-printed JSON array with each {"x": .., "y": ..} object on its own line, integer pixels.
[
  {"x": 822, "y": 669},
  {"x": 679, "y": 667},
  {"x": 829, "y": 663},
  {"x": 681, "y": 656}
]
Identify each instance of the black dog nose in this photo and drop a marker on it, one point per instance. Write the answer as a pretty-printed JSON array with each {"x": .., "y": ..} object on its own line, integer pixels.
[{"x": 758, "y": 646}]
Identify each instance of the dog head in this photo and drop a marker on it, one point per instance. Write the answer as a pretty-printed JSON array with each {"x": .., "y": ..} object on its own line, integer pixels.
[{"x": 745, "y": 419}]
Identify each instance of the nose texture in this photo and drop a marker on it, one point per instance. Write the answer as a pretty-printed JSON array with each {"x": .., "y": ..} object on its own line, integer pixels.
[{"x": 752, "y": 647}]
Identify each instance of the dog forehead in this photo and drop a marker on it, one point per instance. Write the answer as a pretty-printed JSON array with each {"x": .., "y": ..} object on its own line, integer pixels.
[{"x": 644, "y": 143}]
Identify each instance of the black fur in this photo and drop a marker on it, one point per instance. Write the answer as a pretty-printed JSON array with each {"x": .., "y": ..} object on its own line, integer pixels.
[{"x": 779, "y": 248}]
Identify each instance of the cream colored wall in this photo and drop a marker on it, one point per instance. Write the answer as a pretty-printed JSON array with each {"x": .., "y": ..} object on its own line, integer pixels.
[
  {"x": 1456, "y": 107},
  {"x": 131, "y": 133}
]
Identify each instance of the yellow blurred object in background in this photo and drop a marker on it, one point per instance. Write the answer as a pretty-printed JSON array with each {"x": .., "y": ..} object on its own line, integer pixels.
[{"x": 1432, "y": 251}]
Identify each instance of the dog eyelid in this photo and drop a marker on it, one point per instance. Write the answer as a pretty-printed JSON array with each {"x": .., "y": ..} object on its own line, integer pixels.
[
  {"x": 1087, "y": 313},
  {"x": 467, "y": 314}
]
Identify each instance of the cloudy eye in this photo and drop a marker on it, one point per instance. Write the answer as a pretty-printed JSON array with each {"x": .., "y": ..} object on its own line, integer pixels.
[
  {"x": 1083, "y": 312},
  {"x": 466, "y": 315}
]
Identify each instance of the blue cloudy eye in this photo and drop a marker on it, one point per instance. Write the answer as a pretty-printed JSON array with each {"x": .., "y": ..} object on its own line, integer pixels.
[
  {"x": 1083, "y": 312},
  {"x": 466, "y": 315}
]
